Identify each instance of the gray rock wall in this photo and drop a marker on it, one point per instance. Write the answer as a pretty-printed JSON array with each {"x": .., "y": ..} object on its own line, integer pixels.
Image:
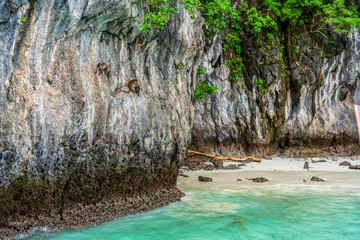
[
  {"x": 71, "y": 133},
  {"x": 307, "y": 111},
  {"x": 52, "y": 101}
]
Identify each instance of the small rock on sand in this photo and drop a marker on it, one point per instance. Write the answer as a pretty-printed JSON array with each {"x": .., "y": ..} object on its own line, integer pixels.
[
  {"x": 185, "y": 168},
  {"x": 183, "y": 175},
  {"x": 306, "y": 165},
  {"x": 259, "y": 179},
  {"x": 218, "y": 164},
  {"x": 204, "y": 179},
  {"x": 209, "y": 167},
  {"x": 356, "y": 167},
  {"x": 231, "y": 167},
  {"x": 239, "y": 180},
  {"x": 317, "y": 179},
  {"x": 304, "y": 180},
  {"x": 317, "y": 160},
  {"x": 345, "y": 163}
]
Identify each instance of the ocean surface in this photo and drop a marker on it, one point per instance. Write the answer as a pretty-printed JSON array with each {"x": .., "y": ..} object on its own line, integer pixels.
[{"x": 272, "y": 212}]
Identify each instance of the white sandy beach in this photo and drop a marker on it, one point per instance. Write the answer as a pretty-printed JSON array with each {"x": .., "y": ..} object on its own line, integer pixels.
[{"x": 278, "y": 171}]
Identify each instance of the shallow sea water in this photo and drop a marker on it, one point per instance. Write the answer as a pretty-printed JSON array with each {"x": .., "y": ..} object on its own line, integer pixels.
[{"x": 272, "y": 212}]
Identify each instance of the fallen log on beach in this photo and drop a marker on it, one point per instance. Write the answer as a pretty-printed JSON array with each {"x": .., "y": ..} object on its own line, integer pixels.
[{"x": 191, "y": 153}]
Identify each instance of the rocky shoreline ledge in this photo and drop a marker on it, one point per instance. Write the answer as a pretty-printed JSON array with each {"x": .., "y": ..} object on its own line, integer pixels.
[
  {"x": 84, "y": 200},
  {"x": 79, "y": 216}
]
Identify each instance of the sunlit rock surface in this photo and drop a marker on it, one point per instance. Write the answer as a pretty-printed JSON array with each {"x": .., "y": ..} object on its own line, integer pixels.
[{"x": 70, "y": 133}]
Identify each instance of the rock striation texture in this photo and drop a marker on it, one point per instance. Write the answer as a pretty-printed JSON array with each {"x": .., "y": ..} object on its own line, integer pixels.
[
  {"x": 308, "y": 106},
  {"x": 77, "y": 147},
  {"x": 72, "y": 138}
]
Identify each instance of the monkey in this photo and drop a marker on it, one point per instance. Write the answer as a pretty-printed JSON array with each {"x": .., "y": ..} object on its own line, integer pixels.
[
  {"x": 133, "y": 86},
  {"x": 104, "y": 68}
]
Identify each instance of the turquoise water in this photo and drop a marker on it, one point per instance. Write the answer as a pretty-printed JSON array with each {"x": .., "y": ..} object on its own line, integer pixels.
[{"x": 281, "y": 212}]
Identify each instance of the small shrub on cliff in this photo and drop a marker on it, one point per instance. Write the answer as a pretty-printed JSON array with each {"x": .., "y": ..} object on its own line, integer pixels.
[
  {"x": 200, "y": 71},
  {"x": 202, "y": 89}
]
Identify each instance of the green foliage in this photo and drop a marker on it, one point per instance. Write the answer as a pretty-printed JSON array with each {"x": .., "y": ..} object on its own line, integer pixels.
[
  {"x": 235, "y": 65},
  {"x": 259, "y": 22},
  {"x": 159, "y": 13},
  {"x": 22, "y": 19},
  {"x": 296, "y": 49},
  {"x": 202, "y": 89},
  {"x": 234, "y": 21},
  {"x": 200, "y": 71},
  {"x": 179, "y": 66},
  {"x": 331, "y": 42},
  {"x": 260, "y": 85},
  {"x": 318, "y": 15}
]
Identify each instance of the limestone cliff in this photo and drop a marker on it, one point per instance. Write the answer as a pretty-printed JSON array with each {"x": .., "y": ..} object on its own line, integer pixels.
[
  {"x": 71, "y": 137},
  {"x": 77, "y": 148},
  {"x": 307, "y": 108}
]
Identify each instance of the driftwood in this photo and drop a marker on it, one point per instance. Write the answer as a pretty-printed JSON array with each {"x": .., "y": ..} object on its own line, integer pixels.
[{"x": 191, "y": 153}]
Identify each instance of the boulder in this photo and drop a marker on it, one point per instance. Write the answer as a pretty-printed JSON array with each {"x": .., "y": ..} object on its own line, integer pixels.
[
  {"x": 209, "y": 167},
  {"x": 259, "y": 179},
  {"x": 204, "y": 179},
  {"x": 356, "y": 167},
  {"x": 345, "y": 163},
  {"x": 317, "y": 179},
  {"x": 231, "y": 167},
  {"x": 218, "y": 164}
]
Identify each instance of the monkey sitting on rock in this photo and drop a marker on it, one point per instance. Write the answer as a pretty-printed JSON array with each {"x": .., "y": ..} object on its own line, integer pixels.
[
  {"x": 133, "y": 86},
  {"x": 103, "y": 68}
]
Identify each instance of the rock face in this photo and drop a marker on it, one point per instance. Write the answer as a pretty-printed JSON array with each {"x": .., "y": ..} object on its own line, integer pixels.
[
  {"x": 70, "y": 133},
  {"x": 308, "y": 106},
  {"x": 73, "y": 136}
]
